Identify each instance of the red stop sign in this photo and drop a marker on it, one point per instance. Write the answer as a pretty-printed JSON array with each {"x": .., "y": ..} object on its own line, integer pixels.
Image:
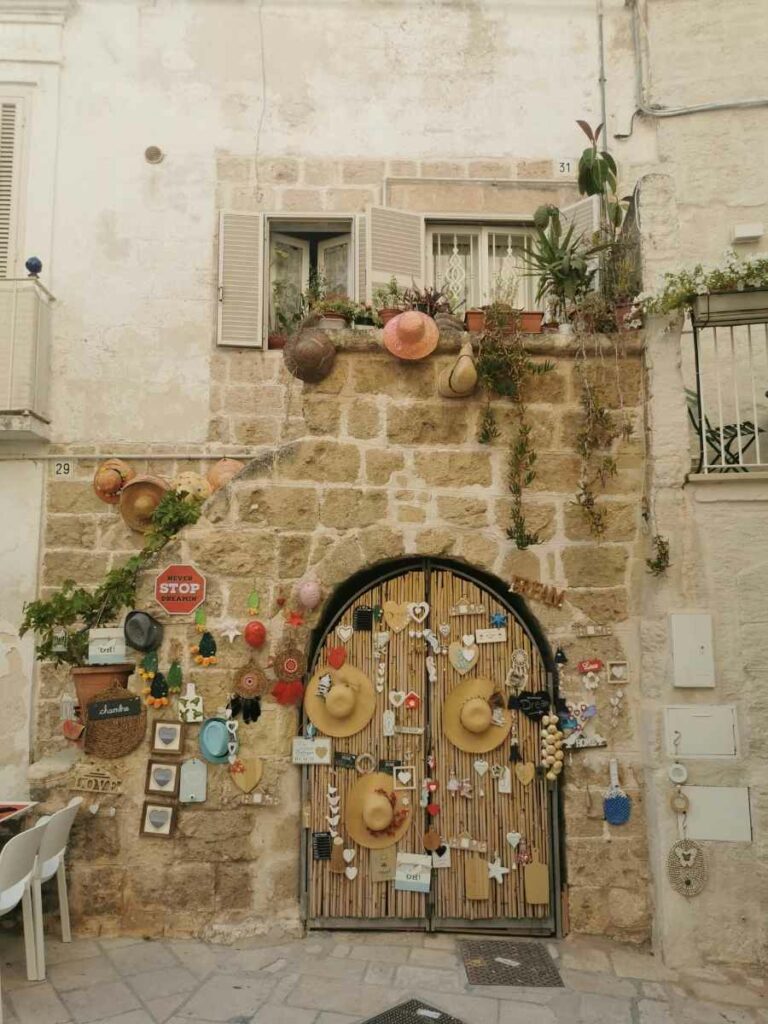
[{"x": 180, "y": 589}]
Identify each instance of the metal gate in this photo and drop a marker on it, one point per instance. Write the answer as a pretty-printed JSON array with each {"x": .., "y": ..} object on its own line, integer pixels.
[{"x": 482, "y": 799}]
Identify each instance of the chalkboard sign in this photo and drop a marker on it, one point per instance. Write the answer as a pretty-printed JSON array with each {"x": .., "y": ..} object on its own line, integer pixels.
[
  {"x": 109, "y": 710},
  {"x": 344, "y": 760},
  {"x": 387, "y": 764}
]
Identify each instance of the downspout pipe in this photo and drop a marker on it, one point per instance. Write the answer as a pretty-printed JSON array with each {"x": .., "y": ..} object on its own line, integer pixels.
[{"x": 659, "y": 110}]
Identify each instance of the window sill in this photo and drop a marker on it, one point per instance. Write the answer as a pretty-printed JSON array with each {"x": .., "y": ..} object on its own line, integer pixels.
[{"x": 710, "y": 487}]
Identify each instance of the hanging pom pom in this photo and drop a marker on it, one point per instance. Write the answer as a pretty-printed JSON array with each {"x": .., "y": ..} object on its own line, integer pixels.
[
  {"x": 235, "y": 705},
  {"x": 251, "y": 709},
  {"x": 288, "y": 692}
]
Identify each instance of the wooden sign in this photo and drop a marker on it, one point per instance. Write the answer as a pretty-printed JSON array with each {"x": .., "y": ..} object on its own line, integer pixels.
[
  {"x": 584, "y": 630},
  {"x": 491, "y": 636},
  {"x": 312, "y": 751},
  {"x": 539, "y": 591},
  {"x": 387, "y": 764},
  {"x": 108, "y": 710},
  {"x": 90, "y": 779},
  {"x": 413, "y": 872},
  {"x": 477, "y": 884},
  {"x": 106, "y": 646},
  {"x": 193, "y": 787},
  {"x": 180, "y": 589},
  {"x": 341, "y": 759},
  {"x": 382, "y": 864},
  {"x": 536, "y": 882}
]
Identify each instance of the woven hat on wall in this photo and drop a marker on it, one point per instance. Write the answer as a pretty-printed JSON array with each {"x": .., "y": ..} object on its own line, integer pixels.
[
  {"x": 110, "y": 478},
  {"x": 221, "y": 472},
  {"x": 139, "y": 499},
  {"x": 142, "y": 631},
  {"x": 115, "y": 723},
  {"x": 468, "y": 717},
  {"x": 340, "y": 702},
  {"x": 376, "y": 815},
  {"x": 309, "y": 355},
  {"x": 411, "y": 335},
  {"x": 192, "y": 484}
]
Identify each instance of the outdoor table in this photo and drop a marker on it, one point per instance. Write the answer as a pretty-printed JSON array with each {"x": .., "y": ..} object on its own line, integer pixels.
[{"x": 11, "y": 814}]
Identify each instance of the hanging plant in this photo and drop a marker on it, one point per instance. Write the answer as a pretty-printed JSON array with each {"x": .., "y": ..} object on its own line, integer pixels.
[
  {"x": 503, "y": 368},
  {"x": 659, "y": 564}
]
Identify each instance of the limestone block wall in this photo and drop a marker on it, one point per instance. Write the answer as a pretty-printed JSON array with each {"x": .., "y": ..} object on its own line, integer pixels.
[{"x": 361, "y": 468}]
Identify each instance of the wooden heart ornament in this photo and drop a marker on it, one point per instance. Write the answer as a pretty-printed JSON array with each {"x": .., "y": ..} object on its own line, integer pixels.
[
  {"x": 344, "y": 633},
  {"x": 418, "y": 611},
  {"x": 525, "y": 770},
  {"x": 336, "y": 656},
  {"x": 395, "y": 615},
  {"x": 246, "y": 773},
  {"x": 463, "y": 657}
]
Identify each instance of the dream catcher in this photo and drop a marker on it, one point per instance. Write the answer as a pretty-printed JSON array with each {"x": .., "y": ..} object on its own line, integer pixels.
[
  {"x": 246, "y": 700},
  {"x": 289, "y": 665}
]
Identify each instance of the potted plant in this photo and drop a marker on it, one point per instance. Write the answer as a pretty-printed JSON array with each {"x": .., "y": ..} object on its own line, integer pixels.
[
  {"x": 388, "y": 300},
  {"x": 365, "y": 318},
  {"x": 335, "y": 311},
  {"x": 734, "y": 292}
]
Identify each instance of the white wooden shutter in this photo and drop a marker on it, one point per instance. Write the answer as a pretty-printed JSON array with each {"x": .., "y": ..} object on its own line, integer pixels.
[
  {"x": 241, "y": 279},
  {"x": 394, "y": 248},
  {"x": 585, "y": 218},
  {"x": 359, "y": 256},
  {"x": 11, "y": 120}
]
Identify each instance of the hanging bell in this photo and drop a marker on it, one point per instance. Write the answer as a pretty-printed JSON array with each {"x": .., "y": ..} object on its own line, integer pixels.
[{"x": 560, "y": 657}]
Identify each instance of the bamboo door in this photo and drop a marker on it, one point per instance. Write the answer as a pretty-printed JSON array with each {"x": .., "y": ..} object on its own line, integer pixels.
[{"x": 333, "y": 900}]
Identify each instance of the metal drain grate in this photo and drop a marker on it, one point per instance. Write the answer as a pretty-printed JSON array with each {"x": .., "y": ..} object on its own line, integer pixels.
[
  {"x": 509, "y": 963},
  {"x": 413, "y": 1012}
]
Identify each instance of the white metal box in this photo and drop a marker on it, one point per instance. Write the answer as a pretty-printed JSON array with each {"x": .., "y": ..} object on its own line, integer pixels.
[
  {"x": 692, "y": 655},
  {"x": 718, "y": 813},
  {"x": 106, "y": 646},
  {"x": 705, "y": 730}
]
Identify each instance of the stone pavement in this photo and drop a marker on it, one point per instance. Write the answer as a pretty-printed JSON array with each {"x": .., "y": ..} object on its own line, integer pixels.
[{"x": 342, "y": 978}]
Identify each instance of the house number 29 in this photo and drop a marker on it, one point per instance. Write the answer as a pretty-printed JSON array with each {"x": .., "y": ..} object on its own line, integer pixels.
[{"x": 63, "y": 468}]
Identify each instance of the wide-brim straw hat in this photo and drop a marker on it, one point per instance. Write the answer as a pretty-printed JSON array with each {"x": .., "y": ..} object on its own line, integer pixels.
[
  {"x": 345, "y": 711},
  {"x": 139, "y": 499},
  {"x": 467, "y": 717},
  {"x": 411, "y": 335},
  {"x": 371, "y": 819}
]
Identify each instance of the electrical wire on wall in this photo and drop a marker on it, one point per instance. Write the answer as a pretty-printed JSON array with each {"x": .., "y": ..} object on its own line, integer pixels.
[{"x": 263, "y": 110}]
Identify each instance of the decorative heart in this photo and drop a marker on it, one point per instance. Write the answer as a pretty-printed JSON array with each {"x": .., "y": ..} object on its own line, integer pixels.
[
  {"x": 403, "y": 778},
  {"x": 444, "y": 629},
  {"x": 418, "y": 611},
  {"x": 166, "y": 734},
  {"x": 525, "y": 772},
  {"x": 433, "y": 810},
  {"x": 481, "y": 767},
  {"x": 344, "y": 633},
  {"x": 162, "y": 776},
  {"x": 686, "y": 857},
  {"x": 158, "y": 819},
  {"x": 348, "y": 855},
  {"x": 468, "y": 639},
  {"x": 513, "y": 838},
  {"x": 321, "y": 752},
  {"x": 396, "y": 698},
  {"x": 250, "y": 776},
  {"x": 334, "y": 821},
  {"x": 396, "y": 615},
  {"x": 336, "y": 656},
  {"x": 462, "y": 658},
  {"x": 351, "y": 873}
]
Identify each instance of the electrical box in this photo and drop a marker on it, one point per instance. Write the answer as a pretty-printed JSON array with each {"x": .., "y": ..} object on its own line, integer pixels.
[
  {"x": 718, "y": 813},
  {"x": 692, "y": 655},
  {"x": 705, "y": 730}
]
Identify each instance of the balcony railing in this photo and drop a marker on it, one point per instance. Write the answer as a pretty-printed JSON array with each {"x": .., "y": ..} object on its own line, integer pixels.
[
  {"x": 725, "y": 367},
  {"x": 25, "y": 341}
]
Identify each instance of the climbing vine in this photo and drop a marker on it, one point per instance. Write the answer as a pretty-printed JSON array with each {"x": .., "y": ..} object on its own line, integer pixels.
[{"x": 503, "y": 368}]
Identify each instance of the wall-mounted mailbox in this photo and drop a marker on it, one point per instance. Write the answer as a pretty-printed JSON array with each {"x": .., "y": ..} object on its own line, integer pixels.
[
  {"x": 705, "y": 730},
  {"x": 691, "y": 639},
  {"x": 718, "y": 813}
]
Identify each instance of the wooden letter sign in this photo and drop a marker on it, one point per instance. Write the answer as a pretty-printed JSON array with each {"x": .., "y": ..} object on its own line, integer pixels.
[{"x": 540, "y": 591}]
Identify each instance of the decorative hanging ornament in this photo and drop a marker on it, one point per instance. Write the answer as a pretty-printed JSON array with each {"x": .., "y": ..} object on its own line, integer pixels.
[
  {"x": 254, "y": 602},
  {"x": 617, "y": 806},
  {"x": 200, "y": 619},
  {"x": 255, "y": 633},
  {"x": 686, "y": 868},
  {"x": 246, "y": 700},
  {"x": 309, "y": 594},
  {"x": 205, "y": 650},
  {"x": 294, "y": 618},
  {"x": 289, "y": 666},
  {"x": 560, "y": 657},
  {"x": 156, "y": 694},
  {"x": 174, "y": 678}
]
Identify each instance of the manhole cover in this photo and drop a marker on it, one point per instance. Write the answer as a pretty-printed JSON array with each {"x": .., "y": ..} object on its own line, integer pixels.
[
  {"x": 413, "y": 1012},
  {"x": 509, "y": 963}
]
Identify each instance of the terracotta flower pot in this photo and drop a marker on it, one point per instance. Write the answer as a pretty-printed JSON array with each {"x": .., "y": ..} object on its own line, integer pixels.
[
  {"x": 276, "y": 340},
  {"x": 475, "y": 319},
  {"x": 388, "y": 313},
  {"x": 92, "y": 679},
  {"x": 530, "y": 323},
  {"x": 621, "y": 311}
]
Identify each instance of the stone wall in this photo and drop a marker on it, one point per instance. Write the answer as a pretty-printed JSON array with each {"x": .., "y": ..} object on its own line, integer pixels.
[{"x": 363, "y": 467}]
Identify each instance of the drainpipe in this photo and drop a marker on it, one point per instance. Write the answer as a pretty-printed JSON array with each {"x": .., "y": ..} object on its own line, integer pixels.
[
  {"x": 659, "y": 110},
  {"x": 601, "y": 79}
]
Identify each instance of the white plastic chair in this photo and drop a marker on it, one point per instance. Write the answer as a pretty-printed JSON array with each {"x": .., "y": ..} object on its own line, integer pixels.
[
  {"x": 17, "y": 868},
  {"x": 50, "y": 862}
]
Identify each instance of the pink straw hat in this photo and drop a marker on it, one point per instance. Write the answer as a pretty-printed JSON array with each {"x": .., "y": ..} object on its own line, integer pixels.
[{"x": 411, "y": 335}]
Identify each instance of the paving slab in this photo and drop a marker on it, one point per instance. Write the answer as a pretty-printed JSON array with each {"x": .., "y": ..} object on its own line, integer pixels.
[
  {"x": 81, "y": 973},
  {"x": 516, "y": 1013},
  {"x": 165, "y": 982},
  {"x": 142, "y": 956},
  {"x": 38, "y": 1004},
  {"x": 594, "y": 1009},
  {"x": 224, "y": 996},
  {"x": 99, "y": 1002}
]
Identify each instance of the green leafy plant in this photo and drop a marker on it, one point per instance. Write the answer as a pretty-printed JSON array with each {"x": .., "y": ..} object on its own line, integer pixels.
[
  {"x": 678, "y": 290},
  {"x": 659, "y": 563},
  {"x": 597, "y": 177},
  {"x": 427, "y": 300},
  {"x": 61, "y": 622},
  {"x": 336, "y": 304},
  {"x": 389, "y": 296}
]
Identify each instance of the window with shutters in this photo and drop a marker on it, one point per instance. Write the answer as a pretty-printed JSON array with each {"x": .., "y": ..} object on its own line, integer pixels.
[{"x": 11, "y": 124}]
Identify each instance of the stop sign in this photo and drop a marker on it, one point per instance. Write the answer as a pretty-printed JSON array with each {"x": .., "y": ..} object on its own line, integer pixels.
[{"x": 180, "y": 589}]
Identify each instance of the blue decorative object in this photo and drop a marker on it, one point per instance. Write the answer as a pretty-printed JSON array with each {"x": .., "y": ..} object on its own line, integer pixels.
[
  {"x": 617, "y": 806},
  {"x": 34, "y": 266},
  {"x": 498, "y": 620}
]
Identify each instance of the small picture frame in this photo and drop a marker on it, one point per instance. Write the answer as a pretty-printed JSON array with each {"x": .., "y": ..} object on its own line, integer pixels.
[
  {"x": 163, "y": 778},
  {"x": 404, "y": 777},
  {"x": 158, "y": 820},
  {"x": 167, "y": 737},
  {"x": 618, "y": 672}
]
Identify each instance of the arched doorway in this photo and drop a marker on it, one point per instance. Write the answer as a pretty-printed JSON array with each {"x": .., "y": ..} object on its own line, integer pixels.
[{"x": 486, "y": 800}]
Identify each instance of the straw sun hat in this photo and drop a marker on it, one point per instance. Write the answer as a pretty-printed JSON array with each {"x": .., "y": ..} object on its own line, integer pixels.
[
  {"x": 411, "y": 335},
  {"x": 467, "y": 717},
  {"x": 139, "y": 499},
  {"x": 376, "y": 815},
  {"x": 348, "y": 705}
]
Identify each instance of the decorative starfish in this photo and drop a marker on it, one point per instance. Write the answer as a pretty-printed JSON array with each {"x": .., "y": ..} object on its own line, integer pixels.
[
  {"x": 498, "y": 620},
  {"x": 294, "y": 618},
  {"x": 497, "y": 870},
  {"x": 230, "y": 631}
]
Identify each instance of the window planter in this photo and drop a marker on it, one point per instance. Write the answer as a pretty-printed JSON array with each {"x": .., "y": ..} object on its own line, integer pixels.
[{"x": 724, "y": 308}]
